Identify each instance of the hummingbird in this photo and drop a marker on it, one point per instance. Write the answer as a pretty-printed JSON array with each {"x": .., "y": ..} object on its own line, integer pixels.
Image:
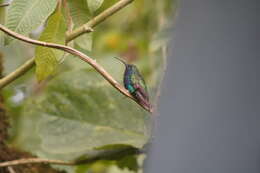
[{"x": 135, "y": 84}]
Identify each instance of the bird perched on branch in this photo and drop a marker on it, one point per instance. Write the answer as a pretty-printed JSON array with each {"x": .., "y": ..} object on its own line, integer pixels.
[{"x": 135, "y": 84}]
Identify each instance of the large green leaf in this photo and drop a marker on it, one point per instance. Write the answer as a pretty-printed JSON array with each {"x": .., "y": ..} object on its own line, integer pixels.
[
  {"x": 76, "y": 115},
  {"x": 80, "y": 15},
  {"x": 47, "y": 59},
  {"x": 24, "y": 16}
]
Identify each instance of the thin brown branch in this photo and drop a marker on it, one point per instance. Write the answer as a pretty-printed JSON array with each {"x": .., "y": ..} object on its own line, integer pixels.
[
  {"x": 33, "y": 160},
  {"x": 106, "y": 155},
  {"x": 77, "y": 53},
  {"x": 10, "y": 169},
  {"x": 96, "y": 20}
]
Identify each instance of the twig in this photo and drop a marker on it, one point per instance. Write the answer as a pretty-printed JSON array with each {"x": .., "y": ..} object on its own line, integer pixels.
[
  {"x": 96, "y": 20},
  {"x": 33, "y": 160},
  {"x": 77, "y": 53},
  {"x": 17, "y": 73},
  {"x": 10, "y": 169},
  {"x": 106, "y": 155},
  {"x": 4, "y": 4}
]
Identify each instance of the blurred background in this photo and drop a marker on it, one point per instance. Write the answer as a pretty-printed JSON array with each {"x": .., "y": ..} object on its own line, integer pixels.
[{"x": 210, "y": 104}]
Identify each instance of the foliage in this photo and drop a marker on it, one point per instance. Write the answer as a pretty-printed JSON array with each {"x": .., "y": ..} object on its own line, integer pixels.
[
  {"x": 24, "y": 16},
  {"x": 80, "y": 14},
  {"x": 47, "y": 59},
  {"x": 73, "y": 113},
  {"x": 93, "y": 5},
  {"x": 77, "y": 113}
]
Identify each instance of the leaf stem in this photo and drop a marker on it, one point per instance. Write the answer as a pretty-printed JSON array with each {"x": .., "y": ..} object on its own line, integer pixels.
[
  {"x": 17, "y": 73},
  {"x": 96, "y": 20},
  {"x": 72, "y": 51}
]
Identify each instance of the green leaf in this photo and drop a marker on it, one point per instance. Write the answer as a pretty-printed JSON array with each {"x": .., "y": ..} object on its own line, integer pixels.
[
  {"x": 78, "y": 113},
  {"x": 79, "y": 12},
  {"x": 24, "y": 16},
  {"x": 80, "y": 15},
  {"x": 93, "y": 5},
  {"x": 47, "y": 59}
]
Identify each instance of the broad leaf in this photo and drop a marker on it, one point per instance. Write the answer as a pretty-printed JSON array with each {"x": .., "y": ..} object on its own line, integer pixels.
[
  {"x": 24, "y": 16},
  {"x": 93, "y": 5},
  {"x": 76, "y": 115},
  {"x": 80, "y": 15},
  {"x": 47, "y": 59}
]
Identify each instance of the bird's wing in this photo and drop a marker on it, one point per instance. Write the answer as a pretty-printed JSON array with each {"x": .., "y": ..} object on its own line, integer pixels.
[{"x": 139, "y": 83}]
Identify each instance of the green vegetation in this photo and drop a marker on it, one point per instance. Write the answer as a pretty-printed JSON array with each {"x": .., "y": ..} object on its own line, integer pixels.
[{"x": 58, "y": 106}]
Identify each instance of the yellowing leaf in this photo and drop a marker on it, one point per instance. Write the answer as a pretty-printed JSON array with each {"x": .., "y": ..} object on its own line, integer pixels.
[{"x": 47, "y": 59}]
